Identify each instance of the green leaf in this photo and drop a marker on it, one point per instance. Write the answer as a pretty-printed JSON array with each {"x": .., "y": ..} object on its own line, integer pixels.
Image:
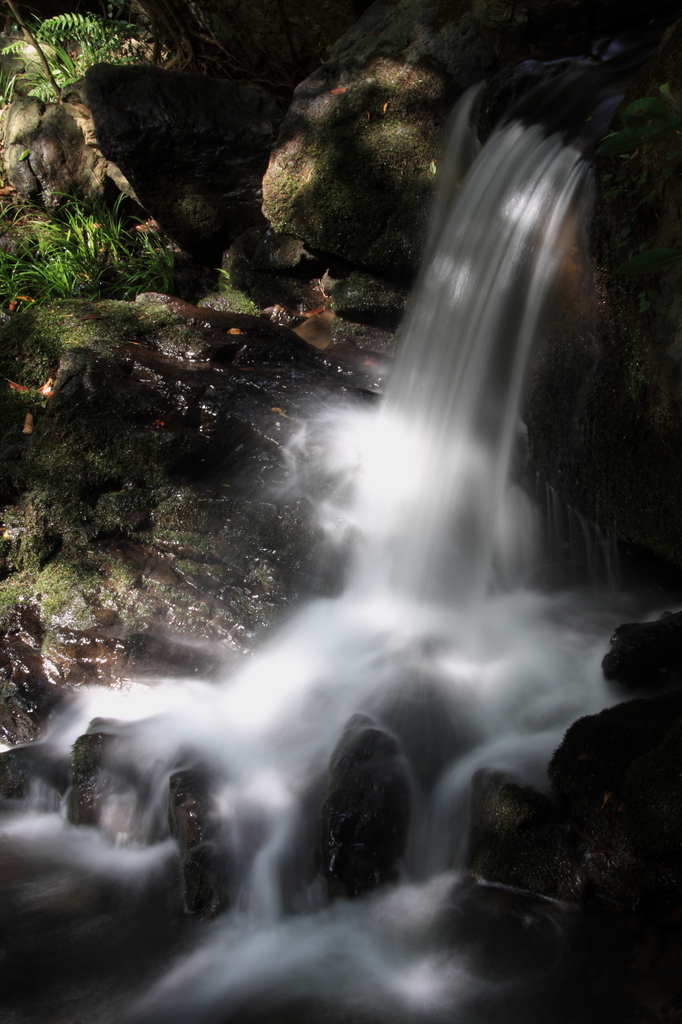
[
  {"x": 666, "y": 94},
  {"x": 642, "y": 111},
  {"x": 619, "y": 142},
  {"x": 630, "y": 138},
  {"x": 650, "y": 261},
  {"x": 25, "y": 155}
]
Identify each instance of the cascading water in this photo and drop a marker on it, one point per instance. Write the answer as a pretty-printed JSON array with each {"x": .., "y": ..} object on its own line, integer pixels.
[{"x": 439, "y": 636}]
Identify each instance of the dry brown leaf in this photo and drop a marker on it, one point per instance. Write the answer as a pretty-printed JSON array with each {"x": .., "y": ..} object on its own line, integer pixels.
[
  {"x": 234, "y": 330},
  {"x": 46, "y": 389},
  {"x": 339, "y": 89},
  {"x": 16, "y": 387},
  {"x": 385, "y": 107},
  {"x": 12, "y": 305},
  {"x": 607, "y": 798},
  {"x": 158, "y": 423},
  {"x": 368, "y": 115},
  {"x": 314, "y": 312},
  {"x": 281, "y": 412},
  {"x": 28, "y": 424}
]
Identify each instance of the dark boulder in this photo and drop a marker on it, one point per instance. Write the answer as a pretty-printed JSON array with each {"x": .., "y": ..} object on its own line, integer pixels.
[
  {"x": 646, "y": 655},
  {"x": 366, "y": 812},
  {"x": 91, "y": 781},
  {"x": 619, "y": 772},
  {"x": 517, "y": 838},
  {"x": 207, "y": 869},
  {"x": 194, "y": 149},
  {"x": 604, "y": 413},
  {"x": 22, "y": 769}
]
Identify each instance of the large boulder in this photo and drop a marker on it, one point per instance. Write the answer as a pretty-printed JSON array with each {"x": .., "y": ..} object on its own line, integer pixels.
[
  {"x": 50, "y": 151},
  {"x": 366, "y": 812},
  {"x": 619, "y": 772},
  {"x": 193, "y": 148},
  {"x": 646, "y": 655},
  {"x": 517, "y": 838},
  {"x": 352, "y": 171},
  {"x": 604, "y": 413}
]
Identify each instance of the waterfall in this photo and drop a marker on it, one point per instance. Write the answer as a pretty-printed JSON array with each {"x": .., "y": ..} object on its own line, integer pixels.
[
  {"x": 439, "y": 636},
  {"x": 437, "y": 518}
]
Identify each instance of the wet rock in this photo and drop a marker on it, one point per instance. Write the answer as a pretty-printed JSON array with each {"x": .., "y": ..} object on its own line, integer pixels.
[
  {"x": 646, "y": 655},
  {"x": 30, "y": 684},
  {"x": 90, "y": 780},
  {"x": 365, "y": 815},
  {"x": 351, "y": 172},
  {"x": 361, "y": 297},
  {"x": 604, "y": 414},
  {"x": 50, "y": 150},
  {"x": 148, "y": 529},
  {"x": 193, "y": 148},
  {"x": 619, "y": 773},
  {"x": 517, "y": 838},
  {"x": 206, "y": 862},
  {"x": 21, "y": 768}
]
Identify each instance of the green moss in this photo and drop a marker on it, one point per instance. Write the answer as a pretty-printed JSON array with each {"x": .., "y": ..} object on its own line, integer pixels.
[
  {"x": 66, "y": 591},
  {"x": 231, "y": 300}
]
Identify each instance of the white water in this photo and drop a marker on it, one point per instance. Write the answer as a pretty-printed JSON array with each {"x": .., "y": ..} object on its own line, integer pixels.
[{"x": 439, "y": 635}]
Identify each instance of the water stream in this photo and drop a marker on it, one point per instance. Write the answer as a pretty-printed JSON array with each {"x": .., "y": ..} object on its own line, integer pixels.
[{"x": 442, "y": 636}]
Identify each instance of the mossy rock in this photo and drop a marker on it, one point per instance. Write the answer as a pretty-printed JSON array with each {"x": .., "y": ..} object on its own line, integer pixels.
[
  {"x": 516, "y": 838},
  {"x": 145, "y": 511},
  {"x": 367, "y": 299},
  {"x": 352, "y": 172}
]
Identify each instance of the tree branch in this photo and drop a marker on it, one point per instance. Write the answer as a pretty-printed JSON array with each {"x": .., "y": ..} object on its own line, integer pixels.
[{"x": 37, "y": 47}]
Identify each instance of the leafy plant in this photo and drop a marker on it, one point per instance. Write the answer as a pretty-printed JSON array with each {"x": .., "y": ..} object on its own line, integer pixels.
[
  {"x": 71, "y": 43},
  {"x": 87, "y": 251},
  {"x": 648, "y": 121}
]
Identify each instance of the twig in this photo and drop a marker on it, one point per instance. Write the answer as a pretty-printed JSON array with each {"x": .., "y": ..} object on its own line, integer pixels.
[{"x": 28, "y": 35}]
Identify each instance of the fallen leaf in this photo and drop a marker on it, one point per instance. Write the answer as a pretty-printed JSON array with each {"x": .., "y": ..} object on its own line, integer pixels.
[
  {"x": 16, "y": 387},
  {"x": 607, "y": 798},
  {"x": 234, "y": 330},
  {"x": 621, "y": 807},
  {"x": 26, "y": 298},
  {"x": 247, "y": 369},
  {"x": 368, "y": 361},
  {"x": 315, "y": 312},
  {"x": 158, "y": 423},
  {"x": 281, "y": 412},
  {"x": 385, "y": 107},
  {"x": 339, "y": 90},
  {"x": 368, "y": 115},
  {"x": 46, "y": 389},
  {"x": 28, "y": 424},
  {"x": 12, "y": 305}
]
